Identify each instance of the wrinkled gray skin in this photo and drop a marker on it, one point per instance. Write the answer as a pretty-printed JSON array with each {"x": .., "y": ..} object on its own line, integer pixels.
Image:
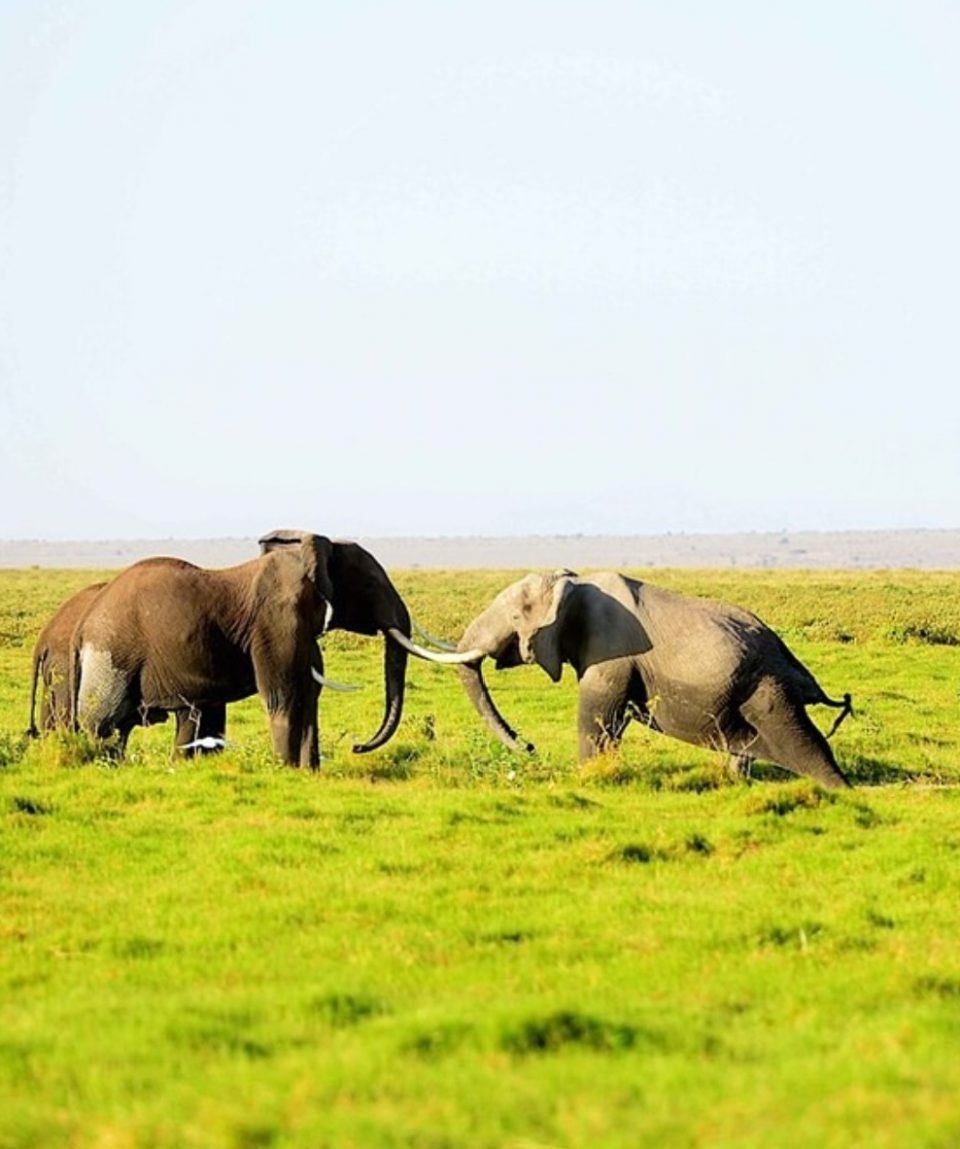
[
  {"x": 166, "y": 635},
  {"x": 51, "y": 665},
  {"x": 705, "y": 672}
]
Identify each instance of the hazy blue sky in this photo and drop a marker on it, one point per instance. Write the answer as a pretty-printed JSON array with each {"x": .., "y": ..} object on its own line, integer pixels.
[{"x": 478, "y": 268}]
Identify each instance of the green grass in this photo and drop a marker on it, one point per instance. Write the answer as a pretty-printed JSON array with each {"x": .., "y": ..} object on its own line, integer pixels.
[{"x": 445, "y": 945}]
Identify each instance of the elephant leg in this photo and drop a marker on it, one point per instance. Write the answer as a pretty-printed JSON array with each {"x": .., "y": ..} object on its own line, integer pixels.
[
  {"x": 49, "y": 713},
  {"x": 196, "y": 726},
  {"x": 113, "y": 745},
  {"x": 55, "y": 709},
  {"x": 287, "y": 733},
  {"x": 310, "y": 745},
  {"x": 289, "y": 691},
  {"x": 105, "y": 699},
  {"x": 310, "y": 726},
  {"x": 187, "y": 731},
  {"x": 603, "y": 712},
  {"x": 787, "y": 736},
  {"x": 213, "y": 724}
]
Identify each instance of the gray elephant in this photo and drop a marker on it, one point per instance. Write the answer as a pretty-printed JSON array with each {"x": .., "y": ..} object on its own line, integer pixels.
[
  {"x": 196, "y": 732},
  {"x": 166, "y": 634},
  {"x": 705, "y": 672}
]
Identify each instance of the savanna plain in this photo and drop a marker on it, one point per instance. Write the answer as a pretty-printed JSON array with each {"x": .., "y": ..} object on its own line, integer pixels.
[{"x": 442, "y": 944}]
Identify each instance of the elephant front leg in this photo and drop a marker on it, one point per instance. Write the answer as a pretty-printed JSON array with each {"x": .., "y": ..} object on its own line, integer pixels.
[
  {"x": 603, "y": 713},
  {"x": 310, "y": 730},
  {"x": 293, "y": 731},
  {"x": 310, "y": 744},
  {"x": 286, "y": 734},
  {"x": 282, "y": 668}
]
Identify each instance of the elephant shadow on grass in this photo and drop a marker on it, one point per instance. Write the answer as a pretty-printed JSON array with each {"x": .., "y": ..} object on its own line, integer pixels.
[
  {"x": 861, "y": 769},
  {"x": 865, "y": 770}
]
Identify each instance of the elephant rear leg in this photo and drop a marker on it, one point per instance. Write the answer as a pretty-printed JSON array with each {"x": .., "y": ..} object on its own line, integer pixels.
[
  {"x": 106, "y": 699},
  {"x": 200, "y": 731},
  {"x": 124, "y": 729},
  {"x": 787, "y": 736},
  {"x": 53, "y": 712},
  {"x": 603, "y": 711},
  {"x": 55, "y": 707}
]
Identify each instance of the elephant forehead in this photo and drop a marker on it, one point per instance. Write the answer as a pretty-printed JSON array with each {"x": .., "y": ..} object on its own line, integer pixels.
[
  {"x": 531, "y": 588},
  {"x": 508, "y": 598},
  {"x": 523, "y": 585}
]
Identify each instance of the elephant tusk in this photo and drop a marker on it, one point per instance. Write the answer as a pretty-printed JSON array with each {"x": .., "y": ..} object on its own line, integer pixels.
[
  {"x": 327, "y": 616},
  {"x": 451, "y": 658},
  {"x": 342, "y": 686},
  {"x": 439, "y": 643}
]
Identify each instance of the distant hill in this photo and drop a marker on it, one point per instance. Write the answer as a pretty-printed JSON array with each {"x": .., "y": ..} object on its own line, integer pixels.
[{"x": 923, "y": 549}]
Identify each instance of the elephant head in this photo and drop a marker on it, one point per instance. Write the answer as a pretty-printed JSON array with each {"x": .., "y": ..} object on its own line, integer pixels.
[
  {"x": 529, "y": 622},
  {"x": 365, "y": 601}
]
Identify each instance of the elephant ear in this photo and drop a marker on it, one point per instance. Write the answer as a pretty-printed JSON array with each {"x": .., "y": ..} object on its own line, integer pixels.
[
  {"x": 546, "y": 640},
  {"x": 317, "y": 550}
]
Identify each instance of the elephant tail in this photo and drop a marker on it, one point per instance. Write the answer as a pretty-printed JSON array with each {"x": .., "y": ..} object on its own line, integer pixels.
[
  {"x": 39, "y": 658},
  {"x": 73, "y": 680},
  {"x": 811, "y": 692},
  {"x": 845, "y": 706}
]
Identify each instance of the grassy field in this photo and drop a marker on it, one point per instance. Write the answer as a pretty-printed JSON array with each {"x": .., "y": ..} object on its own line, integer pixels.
[{"x": 445, "y": 945}]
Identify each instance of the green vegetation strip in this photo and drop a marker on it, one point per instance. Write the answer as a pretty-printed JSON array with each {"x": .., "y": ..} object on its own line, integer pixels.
[{"x": 445, "y": 945}]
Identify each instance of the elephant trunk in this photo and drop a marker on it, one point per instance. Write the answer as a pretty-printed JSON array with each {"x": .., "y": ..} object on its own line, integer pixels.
[
  {"x": 394, "y": 678},
  {"x": 471, "y": 676}
]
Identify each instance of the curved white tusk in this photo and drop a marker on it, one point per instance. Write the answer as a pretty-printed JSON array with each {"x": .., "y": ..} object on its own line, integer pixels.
[
  {"x": 342, "y": 686},
  {"x": 451, "y": 658},
  {"x": 327, "y": 616},
  {"x": 439, "y": 643}
]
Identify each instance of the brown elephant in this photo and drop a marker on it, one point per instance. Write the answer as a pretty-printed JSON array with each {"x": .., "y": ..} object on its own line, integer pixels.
[
  {"x": 167, "y": 635},
  {"x": 705, "y": 672},
  {"x": 196, "y": 731}
]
